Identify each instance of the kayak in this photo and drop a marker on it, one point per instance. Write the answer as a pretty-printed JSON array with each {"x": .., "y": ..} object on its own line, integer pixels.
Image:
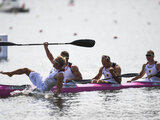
[
  {"x": 100, "y": 87},
  {"x": 6, "y": 90}
]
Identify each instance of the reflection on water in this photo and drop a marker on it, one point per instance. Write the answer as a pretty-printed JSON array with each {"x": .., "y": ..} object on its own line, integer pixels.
[
  {"x": 140, "y": 103},
  {"x": 61, "y": 101},
  {"x": 59, "y": 106},
  {"x": 110, "y": 95},
  {"x": 151, "y": 89}
]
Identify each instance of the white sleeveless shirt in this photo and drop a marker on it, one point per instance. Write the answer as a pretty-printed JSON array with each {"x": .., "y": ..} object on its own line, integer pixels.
[
  {"x": 151, "y": 70},
  {"x": 68, "y": 72},
  {"x": 107, "y": 75},
  {"x": 50, "y": 81}
]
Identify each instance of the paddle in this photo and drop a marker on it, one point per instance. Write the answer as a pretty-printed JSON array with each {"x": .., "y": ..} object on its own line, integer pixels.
[
  {"x": 123, "y": 75},
  {"x": 80, "y": 42}
]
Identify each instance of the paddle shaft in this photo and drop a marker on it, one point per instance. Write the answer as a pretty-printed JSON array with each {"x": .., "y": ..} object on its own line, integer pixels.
[
  {"x": 39, "y": 44},
  {"x": 123, "y": 75},
  {"x": 80, "y": 42}
]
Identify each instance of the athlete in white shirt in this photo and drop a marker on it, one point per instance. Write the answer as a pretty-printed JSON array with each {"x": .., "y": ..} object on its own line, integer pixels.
[
  {"x": 150, "y": 68},
  {"x": 71, "y": 72},
  {"x": 110, "y": 71}
]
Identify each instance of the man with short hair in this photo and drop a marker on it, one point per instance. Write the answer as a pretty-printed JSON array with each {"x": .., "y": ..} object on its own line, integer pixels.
[
  {"x": 71, "y": 72},
  {"x": 110, "y": 70},
  {"x": 150, "y": 68}
]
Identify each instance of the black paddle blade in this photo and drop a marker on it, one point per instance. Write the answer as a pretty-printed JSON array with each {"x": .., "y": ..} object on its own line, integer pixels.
[
  {"x": 82, "y": 81},
  {"x": 83, "y": 42},
  {"x": 7, "y": 44}
]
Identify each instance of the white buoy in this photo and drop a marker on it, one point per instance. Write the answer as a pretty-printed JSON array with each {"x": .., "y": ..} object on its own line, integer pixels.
[{"x": 3, "y": 49}]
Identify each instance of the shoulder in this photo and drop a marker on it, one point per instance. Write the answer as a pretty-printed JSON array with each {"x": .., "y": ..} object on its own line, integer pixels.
[
  {"x": 115, "y": 65},
  {"x": 60, "y": 74},
  {"x": 143, "y": 66},
  {"x": 74, "y": 67},
  {"x": 158, "y": 64},
  {"x": 101, "y": 68}
]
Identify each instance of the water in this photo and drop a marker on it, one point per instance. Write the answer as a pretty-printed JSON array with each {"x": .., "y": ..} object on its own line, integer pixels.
[{"x": 124, "y": 30}]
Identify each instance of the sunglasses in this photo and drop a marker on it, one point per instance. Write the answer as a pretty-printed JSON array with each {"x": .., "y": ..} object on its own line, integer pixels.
[{"x": 149, "y": 55}]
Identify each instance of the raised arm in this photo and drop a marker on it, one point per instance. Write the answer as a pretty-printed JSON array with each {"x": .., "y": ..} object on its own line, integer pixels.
[{"x": 48, "y": 53}]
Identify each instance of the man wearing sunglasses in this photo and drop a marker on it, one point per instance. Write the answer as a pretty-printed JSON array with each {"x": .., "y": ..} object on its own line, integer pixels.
[
  {"x": 110, "y": 70},
  {"x": 151, "y": 68}
]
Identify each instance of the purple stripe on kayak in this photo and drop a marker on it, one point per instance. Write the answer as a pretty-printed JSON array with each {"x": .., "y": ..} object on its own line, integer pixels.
[{"x": 5, "y": 90}]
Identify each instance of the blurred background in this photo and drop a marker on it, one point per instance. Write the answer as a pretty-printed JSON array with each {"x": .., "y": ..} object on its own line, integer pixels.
[{"x": 123, "y": 29}]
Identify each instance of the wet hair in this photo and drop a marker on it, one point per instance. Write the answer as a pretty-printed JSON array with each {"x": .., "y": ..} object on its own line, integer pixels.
[
  {"x": 65, "y": 54},
  {"x": 60, "y": 60}
]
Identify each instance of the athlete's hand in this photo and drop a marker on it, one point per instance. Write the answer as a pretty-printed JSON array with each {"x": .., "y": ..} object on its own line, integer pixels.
[
  {"x": 129, "y": 81},
  {"x": 149, "y": 76},
  {"x": 68, "y": 80},
  {"x": 111, "y": 70},
  {"x": 45, "y": 44}
]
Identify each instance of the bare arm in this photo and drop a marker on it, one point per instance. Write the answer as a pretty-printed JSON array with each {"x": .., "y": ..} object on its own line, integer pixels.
[
  {"x": 116, "y": 72},
  {"x": 48, "y": 53},
  {"x": 141, "y": 74},
  {"x": 99, "y": 75},
  {"x": 77, "y": 74},
  {"x": 60, "y": 78}
]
